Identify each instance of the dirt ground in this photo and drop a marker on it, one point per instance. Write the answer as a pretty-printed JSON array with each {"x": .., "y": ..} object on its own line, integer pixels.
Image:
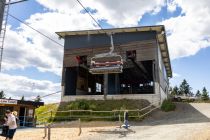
[{"x": 188, "y": 122}]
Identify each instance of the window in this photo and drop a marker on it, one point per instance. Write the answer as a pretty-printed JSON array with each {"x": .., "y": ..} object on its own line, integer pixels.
[
  {"x": 82, "y": 59},
  {"x": 123, "y": 85},
  {"x": 98, "y": 87},
  {"x": 89, "y": 90},
  {"x": 131, "y": 54}
]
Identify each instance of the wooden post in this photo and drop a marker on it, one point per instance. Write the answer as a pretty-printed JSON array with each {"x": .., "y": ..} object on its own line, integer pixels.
[
  {"x": 120, "y": 120},
  {"x": 35, "y": 120},
  {"x": 50, "y": 116},
  {"x": 80, "y": 129},
  {"x": 49, "y": 132},
  {"x": 69, "y": 115},
  {"x": 45, "y": 131},
  {"x": 105, "y": 86}
]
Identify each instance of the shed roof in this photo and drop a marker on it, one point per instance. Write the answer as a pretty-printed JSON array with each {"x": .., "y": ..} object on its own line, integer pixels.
[{"x": 161, "y": 38}]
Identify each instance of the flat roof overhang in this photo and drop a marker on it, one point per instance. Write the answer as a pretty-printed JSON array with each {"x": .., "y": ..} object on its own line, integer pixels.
[{"x": 161, "y": 38}]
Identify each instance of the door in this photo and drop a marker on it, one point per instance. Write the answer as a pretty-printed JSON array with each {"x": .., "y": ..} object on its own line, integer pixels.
[{"x": 22, "y": 116}]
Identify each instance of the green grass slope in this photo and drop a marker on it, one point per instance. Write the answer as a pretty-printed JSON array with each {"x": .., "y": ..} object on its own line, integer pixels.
[{"x": 95, "y": 105}]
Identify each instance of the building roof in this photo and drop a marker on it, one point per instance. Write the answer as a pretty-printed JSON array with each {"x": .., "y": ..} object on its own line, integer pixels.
[
  {"x": 161, "y": 38},
  {"x": 20, "y": 102}
]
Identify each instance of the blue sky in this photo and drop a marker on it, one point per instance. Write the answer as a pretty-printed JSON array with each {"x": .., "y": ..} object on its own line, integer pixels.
[{"x": 189, "y": 52}]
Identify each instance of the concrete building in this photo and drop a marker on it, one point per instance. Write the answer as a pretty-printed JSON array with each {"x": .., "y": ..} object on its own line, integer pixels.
[{"x": 145, "y": 76}]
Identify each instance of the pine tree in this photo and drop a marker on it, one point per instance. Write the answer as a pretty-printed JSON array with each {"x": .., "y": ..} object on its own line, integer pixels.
[
  {"x": 205, "y": 95},
  {"x": 198, "y": 94},
  {"x": 2, "y": 95},
  {"x": 38, "y": 99},
  {"x": 22, "y": 98},
  {"x": 184, "y": 88},
  {"x": 175, "y": 91}
]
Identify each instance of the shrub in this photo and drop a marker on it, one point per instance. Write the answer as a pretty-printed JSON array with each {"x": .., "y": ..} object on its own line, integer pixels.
[
  {"x": 79, "y": 105},
  {"x": 168, "y": 105}
]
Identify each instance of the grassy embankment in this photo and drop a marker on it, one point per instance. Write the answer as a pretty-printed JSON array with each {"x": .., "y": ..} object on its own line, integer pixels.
[{"x": 95, "y": 105}]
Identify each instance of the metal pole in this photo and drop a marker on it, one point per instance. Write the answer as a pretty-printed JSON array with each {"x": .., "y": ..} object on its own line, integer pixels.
[{"x": 4, "y": 19}]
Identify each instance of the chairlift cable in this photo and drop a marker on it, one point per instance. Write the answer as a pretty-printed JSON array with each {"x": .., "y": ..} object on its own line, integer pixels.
[
  {"x": 35, "y": 30},
  {"x": 48, "y": 95},
  {"x": 91, "y": 15}
]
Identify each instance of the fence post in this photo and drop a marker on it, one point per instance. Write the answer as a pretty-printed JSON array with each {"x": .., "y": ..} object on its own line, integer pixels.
[
  {"x": 50, "y": 116},
  {"x": 80, "y": 129},
  {"x": 34, "y": 121},
  {"x": 45, "y": 131},
  {"x": 69, "y": 114},
  {"x": 49, "y": 132},
  {"x": 120, "y": 120}
]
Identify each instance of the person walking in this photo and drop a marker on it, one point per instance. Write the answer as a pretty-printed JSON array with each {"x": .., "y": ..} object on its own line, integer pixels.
[
  {"x": 11, "y": 122},
  {"x": 16, "y": 117}
]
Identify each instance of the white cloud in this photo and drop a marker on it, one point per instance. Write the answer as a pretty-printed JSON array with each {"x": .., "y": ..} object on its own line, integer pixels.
[
  {"x": 190, "y": 32},
  {"x": 117, "y": 12},
  {"x": 26, "y": 48},
  {"x": 176, "y": 75},
  {"x": 171, "y": 5},
  {"x": 18, "y": 86}
]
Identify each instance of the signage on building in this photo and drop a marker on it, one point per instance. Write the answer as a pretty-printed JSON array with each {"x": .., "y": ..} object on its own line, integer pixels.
[{"x": 5, "y": 101}]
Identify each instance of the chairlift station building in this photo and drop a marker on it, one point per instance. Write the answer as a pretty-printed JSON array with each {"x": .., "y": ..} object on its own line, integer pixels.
[{"x": 146, "y": 67}]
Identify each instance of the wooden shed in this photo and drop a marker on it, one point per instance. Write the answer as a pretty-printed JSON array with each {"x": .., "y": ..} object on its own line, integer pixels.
[{"x": 25, "y": 110}]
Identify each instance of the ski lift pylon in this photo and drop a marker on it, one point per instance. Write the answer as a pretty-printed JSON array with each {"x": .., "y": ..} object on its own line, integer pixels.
[{"x": 106, "y": 63}]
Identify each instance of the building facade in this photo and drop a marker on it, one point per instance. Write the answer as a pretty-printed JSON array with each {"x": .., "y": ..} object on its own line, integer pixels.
[{"x": 145, "y": 76}]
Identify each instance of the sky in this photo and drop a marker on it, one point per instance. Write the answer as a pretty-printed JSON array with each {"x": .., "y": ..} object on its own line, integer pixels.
[{"x": 32, "y": 63}]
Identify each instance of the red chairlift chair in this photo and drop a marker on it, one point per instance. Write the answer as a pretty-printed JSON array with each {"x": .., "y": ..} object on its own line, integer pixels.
[{"x": 106, "y": 63}]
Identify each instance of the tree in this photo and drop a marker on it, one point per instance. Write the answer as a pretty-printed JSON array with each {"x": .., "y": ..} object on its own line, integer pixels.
[
  {"x": 2, "y": 95},
  {"x": 205, "y": 95},
  {"x": 198, "y": 94},
  {"x": 175, "y": 91},
  {"x": 170, "y": 89},
  {"x": 185, "y": 88},
  {"x": 22, "y": 98},
  {"x": 38, "y": 99}
]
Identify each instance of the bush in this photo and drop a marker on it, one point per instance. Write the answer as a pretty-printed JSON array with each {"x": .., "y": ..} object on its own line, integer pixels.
[
  {"x": 79, "y": 105},
  {"x": 168, "y": 105}
]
